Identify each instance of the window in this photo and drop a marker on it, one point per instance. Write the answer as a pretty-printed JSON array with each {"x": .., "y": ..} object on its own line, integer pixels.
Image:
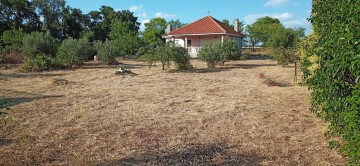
[{"x": 189, "y": 43}]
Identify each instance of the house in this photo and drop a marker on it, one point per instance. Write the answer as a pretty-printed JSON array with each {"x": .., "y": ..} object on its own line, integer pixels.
[{"x": 208, "y": 29}]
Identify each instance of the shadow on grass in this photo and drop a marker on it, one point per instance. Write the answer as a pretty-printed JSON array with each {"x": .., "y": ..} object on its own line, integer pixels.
[
  {"x": 97, "y": 65},
  {"x": 203, "y": 70},
  {"x": 4, "y": 142},
  {"x": 246, "y": 66},
  {"x": 259, "y": 57},
  {"x": 208, "y": 154},
  {"x": 25, "y": 97},
  {"x": 26, "y": 75}
]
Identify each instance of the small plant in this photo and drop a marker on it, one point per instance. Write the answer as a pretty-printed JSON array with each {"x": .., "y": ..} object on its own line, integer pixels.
[
  {"x": 40, "y": 63},
  {"x": 73, "y": 52},
  {"x": 210, "y": 54},
  {"x": 107, "y": 51},
  {"x": 166, "y": 53}
]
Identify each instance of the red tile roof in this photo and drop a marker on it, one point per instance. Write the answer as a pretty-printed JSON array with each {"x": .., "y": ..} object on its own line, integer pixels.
[{"x": 206, "y": 25}]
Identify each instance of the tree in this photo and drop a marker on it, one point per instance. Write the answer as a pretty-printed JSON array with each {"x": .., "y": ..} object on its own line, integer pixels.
[
  {"x": 154, "y": 29},
  {"x": 52, "y": 13},
  {"x": 226, "y": 22},
  {"x": 229, "y": 50},
  {"x": 335, "y": 84},
  {"x": 265, "y": 27},
  {"x": 73, "y": 52},
  {"x": 12, "y": 39},
  {"x": 167, "y": 52},
  {"x": 18, "y": 14},
  {"x": 99, "y": 22},
  {"x": 210, "y": 53},
  {"x": 107, "y": 51},
  {"x": 74, "y": 22},
  {"x": 126, "y": 39},
  {"x": 176, "y": 24},
  {"x": 38, "y": 43},
  {"x": 284, "y": 44},
  {"x": 253, "y": 38}
]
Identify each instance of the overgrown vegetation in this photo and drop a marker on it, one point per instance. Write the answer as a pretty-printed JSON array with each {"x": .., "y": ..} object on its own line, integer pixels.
[
  {"x": 167, "y": 53},
  {"x": 73, "y": 52},
  {"x": 107, "y": 51},
  {"x": 39, "y": 50},
  {"x": 335, "y": 79},
  {"x": 218, "y": 53}
]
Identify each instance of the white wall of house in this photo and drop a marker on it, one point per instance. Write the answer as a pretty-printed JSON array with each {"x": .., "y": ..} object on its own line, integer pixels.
[{"x": 198, "y": 41}]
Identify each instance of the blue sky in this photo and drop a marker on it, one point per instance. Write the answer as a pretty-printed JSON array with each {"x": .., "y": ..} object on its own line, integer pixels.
[{"x": 292, "y": 13}]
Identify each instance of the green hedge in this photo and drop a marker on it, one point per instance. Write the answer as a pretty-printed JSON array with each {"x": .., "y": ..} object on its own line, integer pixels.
[{"x": 336, "y": 81}]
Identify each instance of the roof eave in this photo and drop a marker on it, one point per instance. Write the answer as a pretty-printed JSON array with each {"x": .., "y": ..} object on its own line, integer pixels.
[{"x": 201, "y": 34}]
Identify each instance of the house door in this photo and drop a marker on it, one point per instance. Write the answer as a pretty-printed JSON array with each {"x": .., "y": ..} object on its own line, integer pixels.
[{"x": 189, "y": 43}]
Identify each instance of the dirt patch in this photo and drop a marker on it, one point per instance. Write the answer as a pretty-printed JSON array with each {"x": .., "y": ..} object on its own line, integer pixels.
[
  {"x": 224, "y": 116},
  {"x": 60, "y": 82}
]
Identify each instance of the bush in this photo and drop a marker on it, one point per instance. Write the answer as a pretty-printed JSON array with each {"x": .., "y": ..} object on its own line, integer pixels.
[
  {"x": 12, "y": 39},
  {"x": 165, "y": 53},
  {"x": 40, "y": 63},
  {"x": 73, "y": 51},
  {"x": 107, "y": 51},
  {"x": 211, "y": 54},
  {"x": 229, "y": 50},
  {"x": 38, "y": 43},
  {"x": 336, "y": 81},
  {"x": 181, "y": 57}
]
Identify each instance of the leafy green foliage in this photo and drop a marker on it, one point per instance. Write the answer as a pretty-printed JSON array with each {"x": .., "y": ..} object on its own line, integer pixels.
[
  {"x": 18, "y": 14},
  {"x": 12, "y": 39},
  {"x": 154, "y": 29},
  {"x": 165, "y": 53},
  {"x": 73, "y": 51},
  {"x": 219, "y": 53},
  {"x": 176, "y": 24},
  {"x": 38, "y": 43},
  {"x": 264, "y": 28},
  {"x": 336, "y": 82},
  {"x": 40, "y": 63},
  {"x": 229, "y": 50},
  {"x": 126, "y": 39},
  {"x": 210, "y": 53},
  {"x": 308, "y": 58},
  {"x": 107, "y": 51},
  {"x": 284, "y": 44}
]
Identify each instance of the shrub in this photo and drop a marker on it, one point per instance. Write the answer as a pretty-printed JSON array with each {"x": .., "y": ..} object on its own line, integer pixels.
[
  {"x": 210, "y": 54},
  {"x": 107, "y": 51},
  {"x": 38, "y": 43},
  {"x": 12, "y": 39},
  {"x": 73, "y": 51},
  {"x": 40, "y": 63},
  {"x": 165, "y": 53},
  {"x": 229, "y": 50},
  {"x": 336, "y": 81},
  {"x": 181, "y": 57}
]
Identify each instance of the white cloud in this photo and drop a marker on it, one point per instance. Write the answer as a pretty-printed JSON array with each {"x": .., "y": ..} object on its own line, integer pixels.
[
  {"x": 142, "y": 26},
  {"x": 276, "y": 3},
  {"x": 164, "y": 15},
  {"x": 135, "y": 8},
  {"x": 249, "y": 19},
  {"x": 140, "y": 12}
]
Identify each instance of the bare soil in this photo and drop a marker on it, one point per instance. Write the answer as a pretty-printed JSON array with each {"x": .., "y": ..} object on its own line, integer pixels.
[{"x": 222, "y": 116}]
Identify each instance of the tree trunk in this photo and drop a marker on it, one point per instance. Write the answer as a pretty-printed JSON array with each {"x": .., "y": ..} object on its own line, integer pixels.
[{"x": 295, "y": 76}]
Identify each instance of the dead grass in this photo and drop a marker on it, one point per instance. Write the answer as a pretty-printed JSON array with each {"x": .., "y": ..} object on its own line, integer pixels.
[{"x": 226, "y": 116}]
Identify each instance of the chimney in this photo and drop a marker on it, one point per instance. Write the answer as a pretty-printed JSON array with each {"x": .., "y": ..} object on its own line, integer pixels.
[
  {"x": 236, "y": 25},
  {"x": 169, "y": 28}
]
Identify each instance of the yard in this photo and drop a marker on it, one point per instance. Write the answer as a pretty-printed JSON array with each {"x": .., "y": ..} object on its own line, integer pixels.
[{"x": 223, "y": 116}]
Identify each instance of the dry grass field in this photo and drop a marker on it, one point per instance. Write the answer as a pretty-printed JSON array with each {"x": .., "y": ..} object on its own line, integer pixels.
[{"x": 223, "y": 116}]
